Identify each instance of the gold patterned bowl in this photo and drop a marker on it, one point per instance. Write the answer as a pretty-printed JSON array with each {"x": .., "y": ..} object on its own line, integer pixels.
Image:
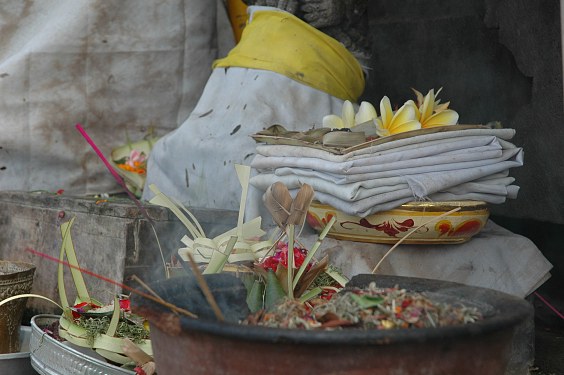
[{"x": 390, "y": 226}]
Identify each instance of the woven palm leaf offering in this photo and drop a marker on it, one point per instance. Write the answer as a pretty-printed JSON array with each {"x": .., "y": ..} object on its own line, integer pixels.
[
  {"x": 130, "y": 162},
  {"x": 110, "y": 329},
  {"x": 407, "y": 164},
  {"x": 104, "y": 327},
  {"x": 264, "y": 266}
]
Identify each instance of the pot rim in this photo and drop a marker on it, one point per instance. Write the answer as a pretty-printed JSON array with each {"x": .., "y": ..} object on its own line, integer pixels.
[
  {"x": 508, "y": 311},
  {"x": 26, "y": 269}
]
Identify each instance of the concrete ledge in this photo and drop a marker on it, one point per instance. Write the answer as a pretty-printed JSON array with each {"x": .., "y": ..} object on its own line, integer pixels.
[{"x": 112, "y": 238}]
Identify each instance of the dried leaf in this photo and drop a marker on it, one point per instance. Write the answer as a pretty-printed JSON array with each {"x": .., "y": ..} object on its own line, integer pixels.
[
  {"x": 278, "y": 201},
  {"x": 309, "y": 276},
  {"x": 134, "y": 352},
  {"x": 300, "y": 205},
  {"x": 311, "y": 135}
]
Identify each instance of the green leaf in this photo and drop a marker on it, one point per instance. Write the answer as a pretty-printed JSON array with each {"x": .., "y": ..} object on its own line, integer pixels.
[
  {"x": 310, "y": 294},
  {"x": 248, "y": 279},
  {"x": 336, "y": 275},
  {"x": 290, "y": 278},
  {"x": 112, "y": 328},
  {"x": 121, "y": 161},
  {"x": 67, "y": 248},
  {"x": 311, "y": 252},
  {"x": 366, "y": 301},
  {"x": 219, "y": 258},
  {"x": 282, "y": 276},
  {"x": 274, "y": 293},
  {"x": 255, "y": 296}
]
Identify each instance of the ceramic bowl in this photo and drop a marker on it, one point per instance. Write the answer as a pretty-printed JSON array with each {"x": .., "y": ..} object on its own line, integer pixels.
[
  {"x": 206, "y": 346},
  {"x": 390, "y": 226}
]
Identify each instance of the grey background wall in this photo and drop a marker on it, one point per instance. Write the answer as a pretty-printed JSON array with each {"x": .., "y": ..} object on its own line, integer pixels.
[{"x": 497, "y": 60}]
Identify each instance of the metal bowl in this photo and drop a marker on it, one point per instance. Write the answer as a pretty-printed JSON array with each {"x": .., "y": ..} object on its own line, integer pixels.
[{"x": 52, "y": 357}]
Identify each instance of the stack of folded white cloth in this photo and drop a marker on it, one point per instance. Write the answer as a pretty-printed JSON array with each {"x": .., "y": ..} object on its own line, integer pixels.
[{"x": 470, "y": 164}]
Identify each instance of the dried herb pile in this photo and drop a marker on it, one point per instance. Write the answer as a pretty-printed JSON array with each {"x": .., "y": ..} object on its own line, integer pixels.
[
  {"x": 370, "y": 308},
  {"x": 97, "y": 326}
]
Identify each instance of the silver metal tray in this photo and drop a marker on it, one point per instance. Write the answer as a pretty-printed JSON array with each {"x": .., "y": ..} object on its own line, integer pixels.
[{"x": 51, "y": 357}]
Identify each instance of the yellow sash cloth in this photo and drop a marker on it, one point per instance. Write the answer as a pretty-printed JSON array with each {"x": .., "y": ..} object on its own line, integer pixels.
[{"x": 282, "y": 43}]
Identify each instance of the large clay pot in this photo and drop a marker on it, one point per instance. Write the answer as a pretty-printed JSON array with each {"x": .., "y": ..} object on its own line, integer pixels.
[
  {"x": 198, "y": 346},
  {"x": 15, "y": 278}
]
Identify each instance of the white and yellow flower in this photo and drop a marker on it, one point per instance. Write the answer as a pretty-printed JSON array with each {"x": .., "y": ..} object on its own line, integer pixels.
[
  {"x": 431, "y": 113},
  {"x": 390, "y": 122},
  {"x": 366, "y": 112},
  {"x": 349, "y": 119},
  {"x": 428, "y": 112}
]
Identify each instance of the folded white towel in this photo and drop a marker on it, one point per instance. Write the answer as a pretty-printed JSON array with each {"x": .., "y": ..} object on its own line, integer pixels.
[
  {"x": 405, "y": 152},
  {"x": 457, "y": 165},
  {"x": 466, "y": 137},
  {"x": 379, "y": 163}
]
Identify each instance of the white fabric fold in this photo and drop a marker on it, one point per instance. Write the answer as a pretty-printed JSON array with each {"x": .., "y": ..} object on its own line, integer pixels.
[
  {"x": 409, "y": 151},
  {"x": 458, "y": 165},
  {"x": 467, "y": 137},
  {"x": 388, "y": 201},
  {"x": 356, "y": 191},
  {"x": 381, "y": 163},
  {"x": 475, "y": 169}
]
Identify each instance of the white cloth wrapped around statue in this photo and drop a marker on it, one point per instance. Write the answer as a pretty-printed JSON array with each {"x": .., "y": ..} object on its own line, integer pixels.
[{"x": 261, "y": 82}]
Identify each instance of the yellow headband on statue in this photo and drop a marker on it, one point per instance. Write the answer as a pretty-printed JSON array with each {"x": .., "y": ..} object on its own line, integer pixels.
[{"x": 282, "y": 43}]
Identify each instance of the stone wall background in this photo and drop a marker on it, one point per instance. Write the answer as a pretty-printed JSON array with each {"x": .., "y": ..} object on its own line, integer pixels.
[{"x": 497, "y": 60}]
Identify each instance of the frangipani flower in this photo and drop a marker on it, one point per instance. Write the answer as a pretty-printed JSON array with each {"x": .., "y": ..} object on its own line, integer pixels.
[
  {"x": 365, "y": 113},
  {"x": 349, "y": 119},
  {"x": 431, "y": 113},
  {"x": 404, "y": 119},
  {"x": 136, "y": 158}
]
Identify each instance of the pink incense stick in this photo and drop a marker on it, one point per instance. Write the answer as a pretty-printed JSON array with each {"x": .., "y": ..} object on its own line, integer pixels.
[
  {"x": 82, "y": 270},
  {"x": 554, "y": 310},
  {"x": 112, "y": 170},
  {"x": 116, "y": 283}
]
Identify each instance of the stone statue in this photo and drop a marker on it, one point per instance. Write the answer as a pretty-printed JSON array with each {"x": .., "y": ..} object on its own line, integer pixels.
[{"x": 344, "y": 20}]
